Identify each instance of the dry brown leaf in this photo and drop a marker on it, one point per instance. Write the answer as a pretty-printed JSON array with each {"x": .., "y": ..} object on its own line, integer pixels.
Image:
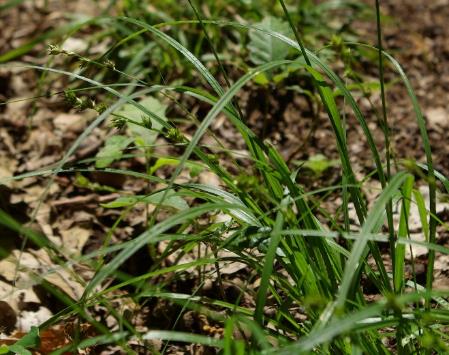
[
  {"x": 73, "y": 122},
  {"x": 74, "y": 239},
  {"x": 209, "y": 178},
  {"x": 437, "y": 117},
  {"x": 8, "y": 167}
]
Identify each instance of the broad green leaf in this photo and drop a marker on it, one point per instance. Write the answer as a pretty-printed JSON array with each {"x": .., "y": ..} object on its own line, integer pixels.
[
  {"x": 30, "y": 340},
  {"x": 144, "y": 136},
  {"x": 264, "y": 48},
  {"x": 195, "y": 168},
  {"x": 124, "y": 201},
  {"x": 319, "y": 163},
  {"x": 288, "y": 70},
  {"x": 171, "y": 200},
  {"x": 37, "y": 238},
  {"x": 112, "y": 150},
  {"x": 261, "y": 79},
  {"x": 19, "y": 350}
]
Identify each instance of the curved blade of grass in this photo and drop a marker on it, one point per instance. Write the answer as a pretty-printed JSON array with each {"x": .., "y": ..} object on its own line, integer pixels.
[
  {"x": 374, "y": 237},
  {"x": 422, "y": 210},
  {"x": 403, "y": 232},
  {"x": 354, "y": 264},
  {"x": 329, "y": 73},
  {"x": 269, "y": 261},
  {"x": 254, "y": 148},
  {"x": 243, "y": 214},
  {"x": 327, "y": 70},
  {"x": 272, "y": 184},
  {"x": 148, "y": 236},
  {"x": 280, "y": 166},
  {"x": 38, "y": 239},
  {"x": 180, "y": 48},
  {"x": 329, "y": 332},
  {"x": 129, "y": 99},
  {"x": 331, "y": 106},
  {"x": 91, "y": 342},
  {"x": 386, "y": 131},
  {"x": 211, "y": 45},
  {"x": 216, "y": 109},
  {"x": 182, "y": 297},
  {"x": 170, "y": 269},
  {"x": 349, "y": 323},
  {"x": 444, "y": 180},
  {"x": 428, "y": 152}
]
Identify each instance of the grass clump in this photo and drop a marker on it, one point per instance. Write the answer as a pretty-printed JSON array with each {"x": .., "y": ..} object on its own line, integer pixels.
[{"x": 307, "y": 270}]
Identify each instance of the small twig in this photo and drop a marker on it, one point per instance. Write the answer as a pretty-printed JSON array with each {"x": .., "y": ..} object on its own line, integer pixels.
[{"x": 84, "y": 199}]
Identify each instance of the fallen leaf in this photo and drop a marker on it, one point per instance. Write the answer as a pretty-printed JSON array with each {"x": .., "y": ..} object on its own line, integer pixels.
[
  {"x": 74, "y": 239},
  {"x": 437, "y": 117}
]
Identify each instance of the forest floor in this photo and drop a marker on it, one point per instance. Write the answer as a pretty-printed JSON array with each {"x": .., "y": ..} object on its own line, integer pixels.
[{"x": 34, "y": 134}]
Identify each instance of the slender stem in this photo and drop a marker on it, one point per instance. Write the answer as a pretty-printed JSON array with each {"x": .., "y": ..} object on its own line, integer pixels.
[
  {"x": 382, "y": 89},
  {"x": 295, "y": 32},
  {"x": 384, "y": 124},
  {"x": 217, "y": 58}
]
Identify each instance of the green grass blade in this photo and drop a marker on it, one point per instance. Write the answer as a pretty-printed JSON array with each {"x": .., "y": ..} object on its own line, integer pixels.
[
  {"x": 150, "y": 236},
  {"x": 403, "y": 232},
  {"x": 428, "y": 152},
  {"x": 372, "y": 220},
  {"x": 268, "y": 268}
]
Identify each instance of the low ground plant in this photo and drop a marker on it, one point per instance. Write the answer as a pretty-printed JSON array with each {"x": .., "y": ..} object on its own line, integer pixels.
[{"x": 309, "y": 271}]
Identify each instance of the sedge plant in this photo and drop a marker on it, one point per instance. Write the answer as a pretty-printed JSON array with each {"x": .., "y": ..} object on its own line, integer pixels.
[{"x": 312, "y": 272}]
